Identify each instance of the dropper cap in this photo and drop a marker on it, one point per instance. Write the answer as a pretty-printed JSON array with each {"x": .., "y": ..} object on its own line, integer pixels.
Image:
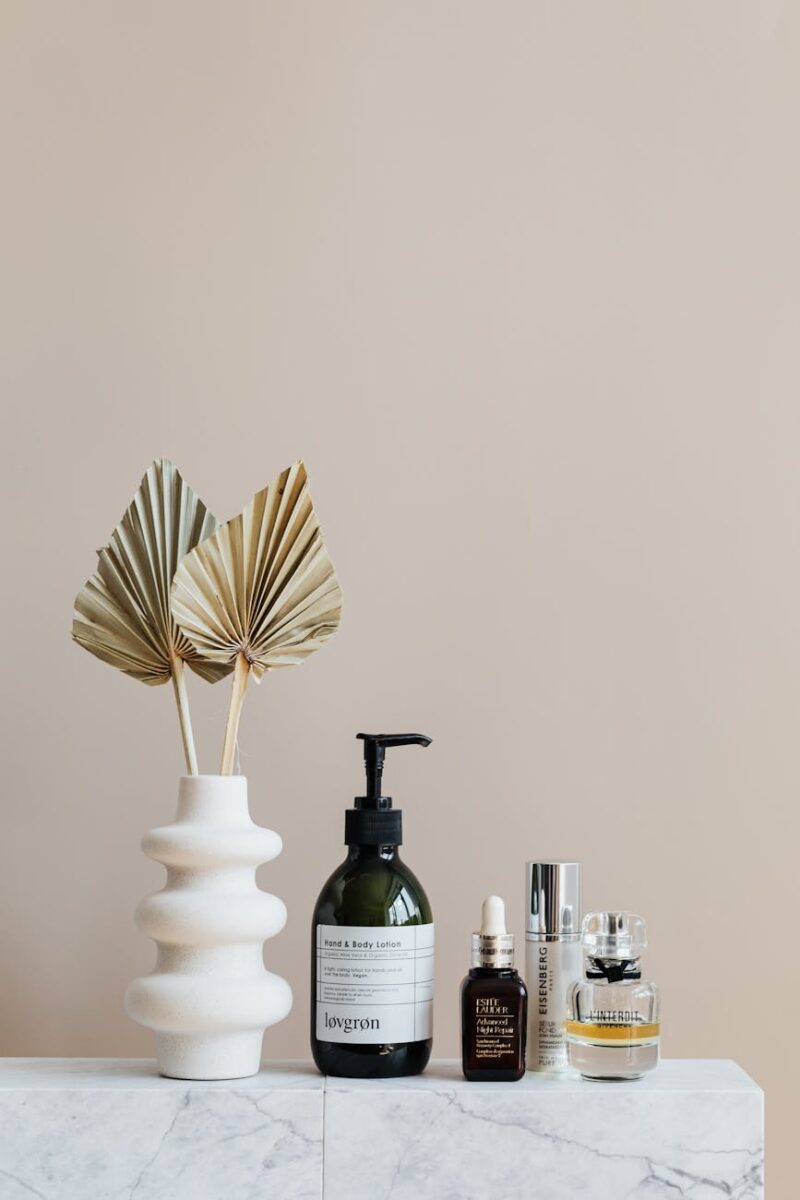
[{"x": 492, "y": 944}]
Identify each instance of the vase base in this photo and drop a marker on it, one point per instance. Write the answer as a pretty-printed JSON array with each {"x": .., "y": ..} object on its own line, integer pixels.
[{"x": 222, "y": 1056}]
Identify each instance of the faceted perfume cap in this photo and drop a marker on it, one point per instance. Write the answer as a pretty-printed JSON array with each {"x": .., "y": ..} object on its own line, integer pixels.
[
  {"x": 618, "y": 935},
  {"x": 553, "y": 898},
  {"x": 493, "y": 945}
]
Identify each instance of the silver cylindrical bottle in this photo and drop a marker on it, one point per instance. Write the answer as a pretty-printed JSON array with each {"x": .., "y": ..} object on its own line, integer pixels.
[{"x": 552, "y": 957}]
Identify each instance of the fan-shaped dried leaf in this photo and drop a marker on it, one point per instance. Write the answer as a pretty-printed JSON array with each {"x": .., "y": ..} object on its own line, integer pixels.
[
  {"x": 122, "y": 614},
  {"x": 263, "y": 586}
]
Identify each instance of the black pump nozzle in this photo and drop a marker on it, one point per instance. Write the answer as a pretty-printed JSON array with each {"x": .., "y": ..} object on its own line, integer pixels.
[
  {"x": 375, "y": 745},
  {"x": 373, "y": 821}
]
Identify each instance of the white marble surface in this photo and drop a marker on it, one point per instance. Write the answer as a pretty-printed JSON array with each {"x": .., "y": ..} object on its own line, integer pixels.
[
  {"x": 692, "y": 1129},
  {"x": 113, "y": 1130}
]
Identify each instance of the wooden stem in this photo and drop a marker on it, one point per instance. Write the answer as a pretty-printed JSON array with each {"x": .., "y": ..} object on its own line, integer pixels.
[
  {"x": 184, "y": 716},
  {"x": 241, "y": 674}
]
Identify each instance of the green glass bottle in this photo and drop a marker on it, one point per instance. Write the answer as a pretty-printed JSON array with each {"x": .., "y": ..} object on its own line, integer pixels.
[{"x": 372, "y": 944}]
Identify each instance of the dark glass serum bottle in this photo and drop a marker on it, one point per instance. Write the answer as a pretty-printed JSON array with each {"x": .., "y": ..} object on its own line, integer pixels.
[
  {"x": 494, "y": 1004},
  {"x": 372, "y": 943}
]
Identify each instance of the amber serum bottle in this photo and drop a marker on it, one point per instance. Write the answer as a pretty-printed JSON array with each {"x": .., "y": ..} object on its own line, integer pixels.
[{"x": 494, "y": 1004}]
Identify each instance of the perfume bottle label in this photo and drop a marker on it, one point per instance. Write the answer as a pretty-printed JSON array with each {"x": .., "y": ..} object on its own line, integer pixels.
[
  {"x": 495, "y": 1030},
  {"x": 636, "y": 1033},
  {"x": 374, "y": 983}
]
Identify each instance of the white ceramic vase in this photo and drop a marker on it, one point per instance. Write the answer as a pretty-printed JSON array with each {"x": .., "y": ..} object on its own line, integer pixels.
[{"x": 209, "y": 997}]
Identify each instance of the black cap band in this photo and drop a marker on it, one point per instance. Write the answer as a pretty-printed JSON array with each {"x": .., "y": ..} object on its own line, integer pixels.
[{"x": 373, "y": 827}]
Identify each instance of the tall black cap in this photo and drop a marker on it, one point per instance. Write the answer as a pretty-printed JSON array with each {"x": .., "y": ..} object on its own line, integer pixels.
[{"x": 373, "y": 821}]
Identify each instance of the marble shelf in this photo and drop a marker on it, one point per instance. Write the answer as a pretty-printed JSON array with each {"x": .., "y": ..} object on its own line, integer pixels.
[{"x": 111, "y": 1129}]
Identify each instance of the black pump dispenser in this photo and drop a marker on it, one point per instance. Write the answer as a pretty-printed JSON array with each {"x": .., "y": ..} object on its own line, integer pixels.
[
  {"x": 373, "y": 821},
  {"x": 372, "y": 927}
]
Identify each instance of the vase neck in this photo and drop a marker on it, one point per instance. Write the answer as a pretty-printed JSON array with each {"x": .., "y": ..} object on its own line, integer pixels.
[{"x": 213, "y": 799}]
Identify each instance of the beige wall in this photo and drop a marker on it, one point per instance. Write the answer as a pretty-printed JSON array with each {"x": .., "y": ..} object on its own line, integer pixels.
[{"x": 520, "y": 282}]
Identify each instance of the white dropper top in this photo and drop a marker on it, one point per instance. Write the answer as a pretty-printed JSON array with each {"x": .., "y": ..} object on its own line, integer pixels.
[
  {"x": 493, "y": 945},
  {"x": 493, "y": 917}
]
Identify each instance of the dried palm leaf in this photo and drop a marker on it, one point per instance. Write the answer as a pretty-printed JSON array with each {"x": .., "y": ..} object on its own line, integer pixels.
[
  {"x": 122, "y": 614},
  {"x": 261, "y": 593}
]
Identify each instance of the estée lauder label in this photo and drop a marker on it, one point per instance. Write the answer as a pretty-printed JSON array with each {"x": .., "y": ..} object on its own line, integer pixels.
[
  {"x": 374, "y": 984},
  {"x": 496, "y": 1029}
]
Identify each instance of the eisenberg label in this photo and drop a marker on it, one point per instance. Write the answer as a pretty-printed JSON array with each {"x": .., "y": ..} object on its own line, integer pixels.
[{"x": 374, "y": 984}]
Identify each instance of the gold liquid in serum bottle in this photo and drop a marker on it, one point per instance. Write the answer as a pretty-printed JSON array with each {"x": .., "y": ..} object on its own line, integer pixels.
[
  {"x": 613, "y": 1026},
  {"x": 552, "y": 958}
]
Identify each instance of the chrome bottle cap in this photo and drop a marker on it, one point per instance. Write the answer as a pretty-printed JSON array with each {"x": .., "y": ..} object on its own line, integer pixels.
[{"x": 553, "y": 899}]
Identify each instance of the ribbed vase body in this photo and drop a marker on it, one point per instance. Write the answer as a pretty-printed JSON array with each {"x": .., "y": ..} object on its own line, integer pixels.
[{"x": 209, "y": 997}]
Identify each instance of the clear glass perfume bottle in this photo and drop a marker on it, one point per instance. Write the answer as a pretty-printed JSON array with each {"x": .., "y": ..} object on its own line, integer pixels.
[{"x": 613, "y": 1025}]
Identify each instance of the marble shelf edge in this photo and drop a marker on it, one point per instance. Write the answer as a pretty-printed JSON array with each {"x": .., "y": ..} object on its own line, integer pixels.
[
  {"x": 712, "y": 1074},
  {"x": 694, "y": 1126}
]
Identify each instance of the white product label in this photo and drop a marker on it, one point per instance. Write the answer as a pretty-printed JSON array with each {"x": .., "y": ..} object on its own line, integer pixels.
[
  {"x": 550, "y": 969},
  {"x": 374, "y": 983}
]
